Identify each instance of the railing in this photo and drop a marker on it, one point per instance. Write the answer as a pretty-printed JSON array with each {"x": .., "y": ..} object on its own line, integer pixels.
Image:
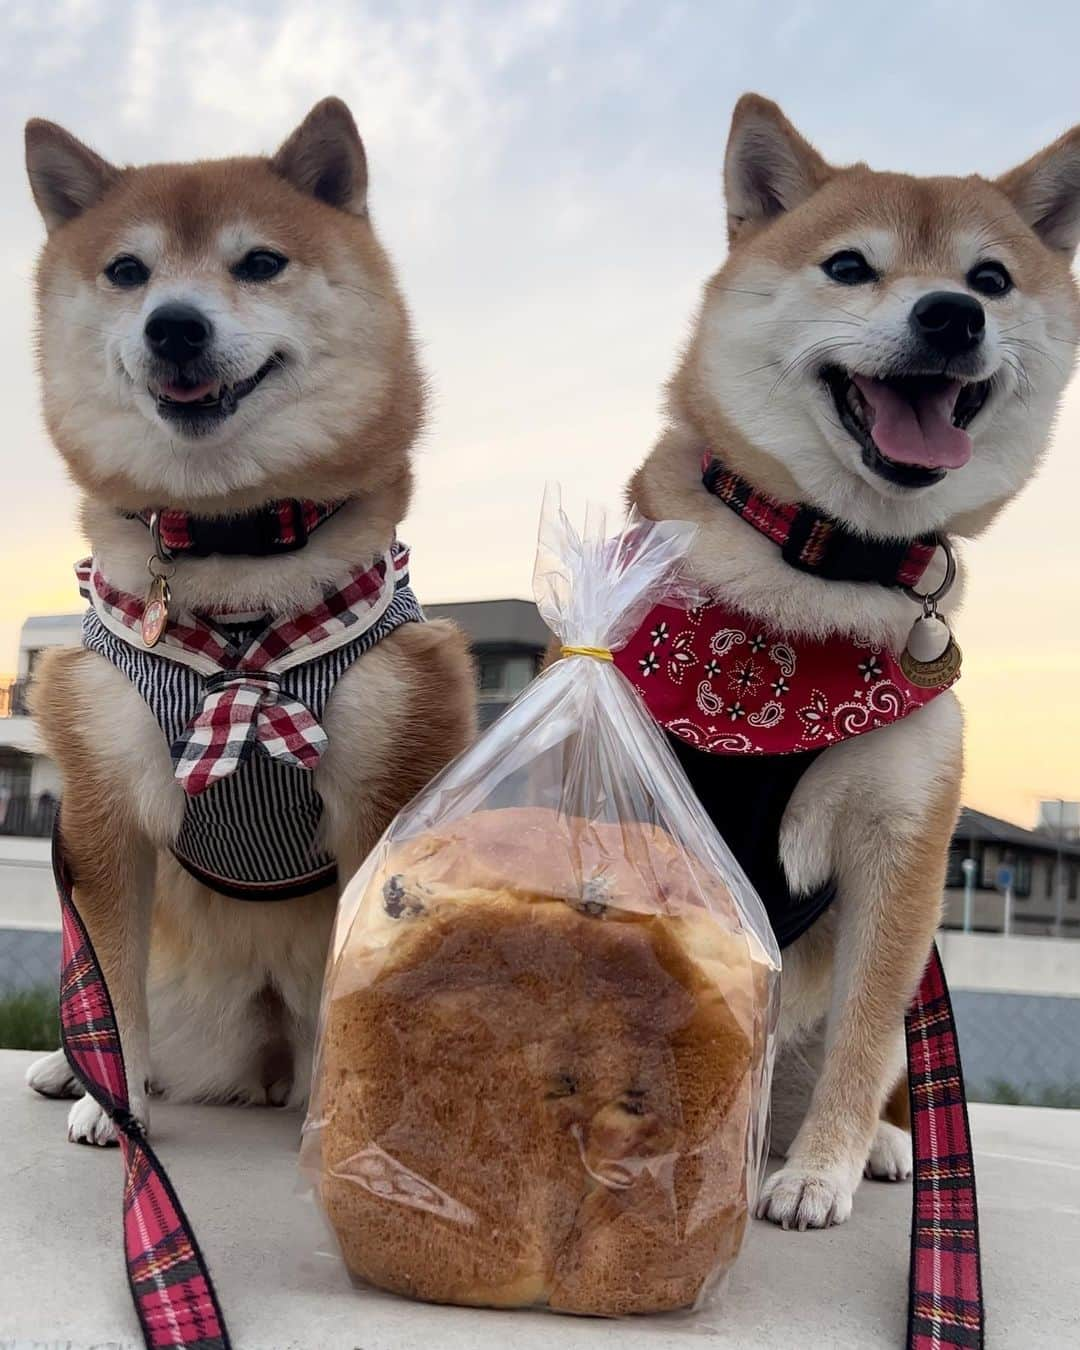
[
  {"x": 13, "y": 698},
  {"x": 27, "y": 816}
]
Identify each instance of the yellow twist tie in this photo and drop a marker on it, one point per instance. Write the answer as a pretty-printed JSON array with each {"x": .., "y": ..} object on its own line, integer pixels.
[{"x": 597, "y": 653}]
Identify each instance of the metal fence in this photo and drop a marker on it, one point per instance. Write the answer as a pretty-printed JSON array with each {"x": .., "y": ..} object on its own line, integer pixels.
[{"x": 29, "y": 959}]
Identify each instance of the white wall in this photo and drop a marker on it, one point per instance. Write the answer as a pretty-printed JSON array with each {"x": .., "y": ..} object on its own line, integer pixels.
[{"x": 1012, "y": 965}]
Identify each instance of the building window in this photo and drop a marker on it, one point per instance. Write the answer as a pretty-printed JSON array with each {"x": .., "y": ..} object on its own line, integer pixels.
[
  {"x": 491, "y": 674},
  {"x": 1022, "y": 876},
  {"x": 505, "y": 676},
  {"x": 1074, "y": 880}
]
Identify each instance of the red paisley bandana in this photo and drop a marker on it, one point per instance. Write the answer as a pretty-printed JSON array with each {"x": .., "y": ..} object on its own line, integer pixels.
[{"x": 725, "y": 684}]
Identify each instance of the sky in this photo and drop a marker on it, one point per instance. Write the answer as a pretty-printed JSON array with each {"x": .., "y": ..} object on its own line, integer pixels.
[{"x": 547, "y": 177}]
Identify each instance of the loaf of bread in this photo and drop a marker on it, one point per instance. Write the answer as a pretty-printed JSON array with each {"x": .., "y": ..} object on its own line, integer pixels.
[{"x": 536, "y": 1069}]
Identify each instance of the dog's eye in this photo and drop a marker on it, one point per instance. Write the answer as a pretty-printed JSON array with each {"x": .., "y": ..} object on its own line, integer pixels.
[
  {"x": 849, "y": 267},
  {"x": 127, "y": 270},
  {"x": 259, "y": 265},
  {"x": 990, "y": 278}
]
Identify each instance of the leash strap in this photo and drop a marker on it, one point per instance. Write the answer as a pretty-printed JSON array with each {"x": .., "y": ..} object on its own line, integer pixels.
[
  {"x": 170, "y": 1284},
  {"x": 945, "y": 1298}
]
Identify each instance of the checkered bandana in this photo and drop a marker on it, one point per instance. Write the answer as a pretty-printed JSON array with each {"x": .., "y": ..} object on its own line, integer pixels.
[
  {"x": 816, "y": 543},
  {"x": 244, "y": 707}
]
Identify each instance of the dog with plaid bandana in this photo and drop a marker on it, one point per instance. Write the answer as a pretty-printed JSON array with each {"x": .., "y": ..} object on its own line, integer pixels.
[{"x": 230, "y": 376}]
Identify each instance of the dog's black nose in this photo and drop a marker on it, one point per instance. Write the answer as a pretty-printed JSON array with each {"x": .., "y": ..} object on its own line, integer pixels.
[
  {"x": 949, "y": 321},
  {"x": 177, "y": 332}
]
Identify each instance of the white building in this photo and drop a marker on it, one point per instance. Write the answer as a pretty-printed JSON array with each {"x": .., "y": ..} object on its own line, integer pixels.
[{"x": 29, "y": 781}]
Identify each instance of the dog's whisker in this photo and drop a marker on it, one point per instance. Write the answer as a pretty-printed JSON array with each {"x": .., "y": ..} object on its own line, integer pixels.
[
  {"x": 358, "y": 290},
  {"x": 1034, "y": 346},
  {"x": 739, "y": 290},
  {"x": 816, "y": 351}
]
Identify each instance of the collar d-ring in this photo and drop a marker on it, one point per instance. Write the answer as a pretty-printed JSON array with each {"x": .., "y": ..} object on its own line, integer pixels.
[
  {"x": 929, "y": 599},
  {"x": 160, "y": 551}
]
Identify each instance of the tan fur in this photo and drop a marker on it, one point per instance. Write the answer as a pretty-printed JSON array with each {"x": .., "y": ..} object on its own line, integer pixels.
[
  {"x": 898, "y": 1105},
  {"x": 875, "y": 813},
  {"x": 218, "y": 999}
]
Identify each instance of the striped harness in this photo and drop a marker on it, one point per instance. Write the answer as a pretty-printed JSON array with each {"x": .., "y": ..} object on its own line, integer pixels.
[{"x": 240, "y": 701}]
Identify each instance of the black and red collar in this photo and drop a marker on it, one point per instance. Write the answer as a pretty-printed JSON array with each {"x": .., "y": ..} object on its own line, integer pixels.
[
  {"x": 277, "y": 527},
  {"x": 816, "y": 543}
]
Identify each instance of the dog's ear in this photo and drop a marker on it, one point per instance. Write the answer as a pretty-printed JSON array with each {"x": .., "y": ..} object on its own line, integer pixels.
[
  {"x": 768, "y": 167},
  {"x": 1046, "y": 191},
  {"x": 66, "y": 177},
  {"x": 324, "y": 157}
]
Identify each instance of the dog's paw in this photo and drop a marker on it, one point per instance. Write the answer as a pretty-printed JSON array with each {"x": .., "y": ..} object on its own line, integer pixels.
[
  {"x": 799, "y": 1197},
  {"x": 890, "y": 1154},
  {"x": 52, "y": 1076},
  {"x": 279, "y": 1092},
  {"x": 88, "y": 1124}
]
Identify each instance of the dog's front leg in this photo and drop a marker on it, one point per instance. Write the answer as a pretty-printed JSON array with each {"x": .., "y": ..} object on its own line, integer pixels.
[{"x": 890, "y": 885}]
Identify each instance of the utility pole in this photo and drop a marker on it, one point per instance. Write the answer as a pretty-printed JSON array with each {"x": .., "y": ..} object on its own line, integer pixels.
[
  {"x": 1059, "y": 873},
  {"x": 968, "y": 866}
]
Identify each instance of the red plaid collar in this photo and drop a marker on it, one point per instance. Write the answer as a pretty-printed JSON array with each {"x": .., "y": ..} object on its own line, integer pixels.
[
  {"x": 348, "y": 608},
  {"x": 814, "y": 542},
  {"x": 277, "y": 527}
]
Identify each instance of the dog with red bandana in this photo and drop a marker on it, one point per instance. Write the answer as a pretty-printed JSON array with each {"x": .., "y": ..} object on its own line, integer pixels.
[{"x": 873, "y": 373}]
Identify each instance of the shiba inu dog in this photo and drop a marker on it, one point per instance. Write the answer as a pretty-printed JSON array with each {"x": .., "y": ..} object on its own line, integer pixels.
[
  {"x": 230, "y": 377},
  {"x": 878, "y": 362}
]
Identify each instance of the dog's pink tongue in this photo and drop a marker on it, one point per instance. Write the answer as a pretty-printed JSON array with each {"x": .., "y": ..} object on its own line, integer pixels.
[
  {"x": 920, "y": 432},
  {"x": 180, "y": 393}
]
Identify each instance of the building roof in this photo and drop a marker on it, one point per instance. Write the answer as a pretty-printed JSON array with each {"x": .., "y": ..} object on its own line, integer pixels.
[
  {"x": 977, "y": 825},
  {"x": 38, "y": 621},
  {"x": 501, "y": 623}
]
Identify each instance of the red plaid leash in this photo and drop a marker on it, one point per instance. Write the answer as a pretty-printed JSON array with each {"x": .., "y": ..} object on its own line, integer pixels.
[
  {"x": 170, "y": 1284},
  {"x": 945, "y": 1300}
]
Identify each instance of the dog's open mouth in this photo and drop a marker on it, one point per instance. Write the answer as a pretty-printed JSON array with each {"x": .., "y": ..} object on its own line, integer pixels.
[
  {"x": 912, "y": 428},
  {"x": 200, "y": 405}
]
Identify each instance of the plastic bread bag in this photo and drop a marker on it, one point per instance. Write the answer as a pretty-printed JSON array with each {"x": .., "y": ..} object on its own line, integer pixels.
[{"x": 547, "y": 1030}]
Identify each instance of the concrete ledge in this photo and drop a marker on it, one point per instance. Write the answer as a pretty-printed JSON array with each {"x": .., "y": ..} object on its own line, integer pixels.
[
  {"x": 62, "y": 1278},
  {"x": 993, "y": 963}
]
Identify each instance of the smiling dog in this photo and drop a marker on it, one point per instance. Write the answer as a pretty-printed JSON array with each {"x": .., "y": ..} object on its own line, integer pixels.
[
  {"x": 230, "y": 376},
  {"x": 873, "y": 372}
]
